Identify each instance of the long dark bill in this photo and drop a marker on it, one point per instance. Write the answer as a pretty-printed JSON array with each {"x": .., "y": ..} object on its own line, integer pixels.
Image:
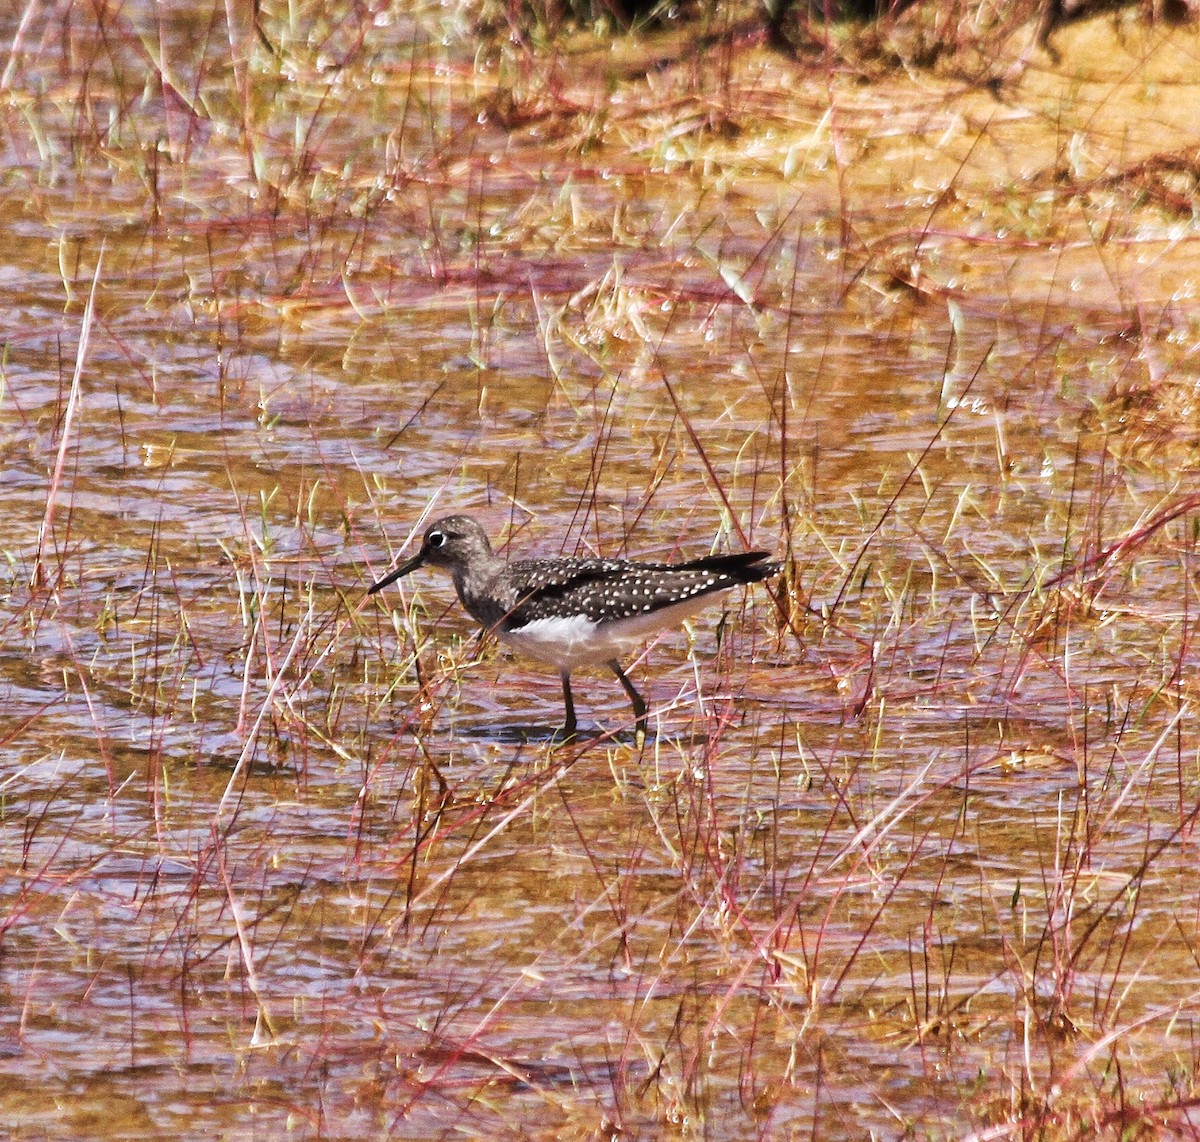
[{"x": 399, "y": 572}]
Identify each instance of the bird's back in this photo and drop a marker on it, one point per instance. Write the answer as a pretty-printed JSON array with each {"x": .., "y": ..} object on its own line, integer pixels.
[{"x": 606, "y": 590}]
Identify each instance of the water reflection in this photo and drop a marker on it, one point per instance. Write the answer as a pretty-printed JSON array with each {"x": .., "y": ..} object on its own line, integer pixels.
[{"x": 894, "y": 834}]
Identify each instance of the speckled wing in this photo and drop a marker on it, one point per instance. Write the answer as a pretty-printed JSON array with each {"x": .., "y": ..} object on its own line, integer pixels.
[{"x": 611, "y": 589}]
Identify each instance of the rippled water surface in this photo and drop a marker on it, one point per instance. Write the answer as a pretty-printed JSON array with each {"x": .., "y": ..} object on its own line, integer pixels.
[{"x": 911, "y": 843}]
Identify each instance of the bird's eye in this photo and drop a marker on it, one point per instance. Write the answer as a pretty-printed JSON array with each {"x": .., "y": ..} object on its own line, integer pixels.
[{"x": 436, "y": 539}]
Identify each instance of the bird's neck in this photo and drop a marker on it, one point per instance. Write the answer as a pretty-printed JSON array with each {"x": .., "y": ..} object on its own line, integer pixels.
[{"x": 481, "y": 591}]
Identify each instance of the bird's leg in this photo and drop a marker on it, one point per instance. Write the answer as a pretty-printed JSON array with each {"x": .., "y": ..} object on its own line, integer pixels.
[
  {"x": 569, "y": 728},
  {"x": 640, "y": 708}
]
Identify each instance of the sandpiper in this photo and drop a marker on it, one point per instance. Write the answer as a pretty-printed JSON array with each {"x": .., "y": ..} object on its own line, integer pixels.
[{"x": 576, "y": 612}]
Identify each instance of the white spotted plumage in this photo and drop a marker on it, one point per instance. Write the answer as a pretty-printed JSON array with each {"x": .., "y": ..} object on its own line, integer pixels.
[
  {"x": 574, "y": 641},
  {"x": 576, "y": 612}
]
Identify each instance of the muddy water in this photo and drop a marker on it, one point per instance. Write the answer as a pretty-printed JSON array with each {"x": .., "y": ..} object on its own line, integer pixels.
[{"x": 912, "y": 837}]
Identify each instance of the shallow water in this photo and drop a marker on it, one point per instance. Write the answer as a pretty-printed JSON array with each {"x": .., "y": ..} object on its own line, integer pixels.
[{"x": 911, "y": 840}]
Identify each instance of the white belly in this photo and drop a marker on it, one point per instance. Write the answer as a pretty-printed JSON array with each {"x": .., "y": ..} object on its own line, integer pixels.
[{"x": 577, "y": 641}]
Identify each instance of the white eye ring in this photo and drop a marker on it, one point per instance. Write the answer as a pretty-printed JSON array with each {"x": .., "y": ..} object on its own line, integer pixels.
[{"x": 436, "y": 539}]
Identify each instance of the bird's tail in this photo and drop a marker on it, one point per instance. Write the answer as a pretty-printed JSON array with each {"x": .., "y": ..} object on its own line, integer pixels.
[{"x": 743, "y": 567}]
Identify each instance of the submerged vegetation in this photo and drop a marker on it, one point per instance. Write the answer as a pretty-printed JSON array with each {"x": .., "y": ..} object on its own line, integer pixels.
[{"x": 912, "y": 304}]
